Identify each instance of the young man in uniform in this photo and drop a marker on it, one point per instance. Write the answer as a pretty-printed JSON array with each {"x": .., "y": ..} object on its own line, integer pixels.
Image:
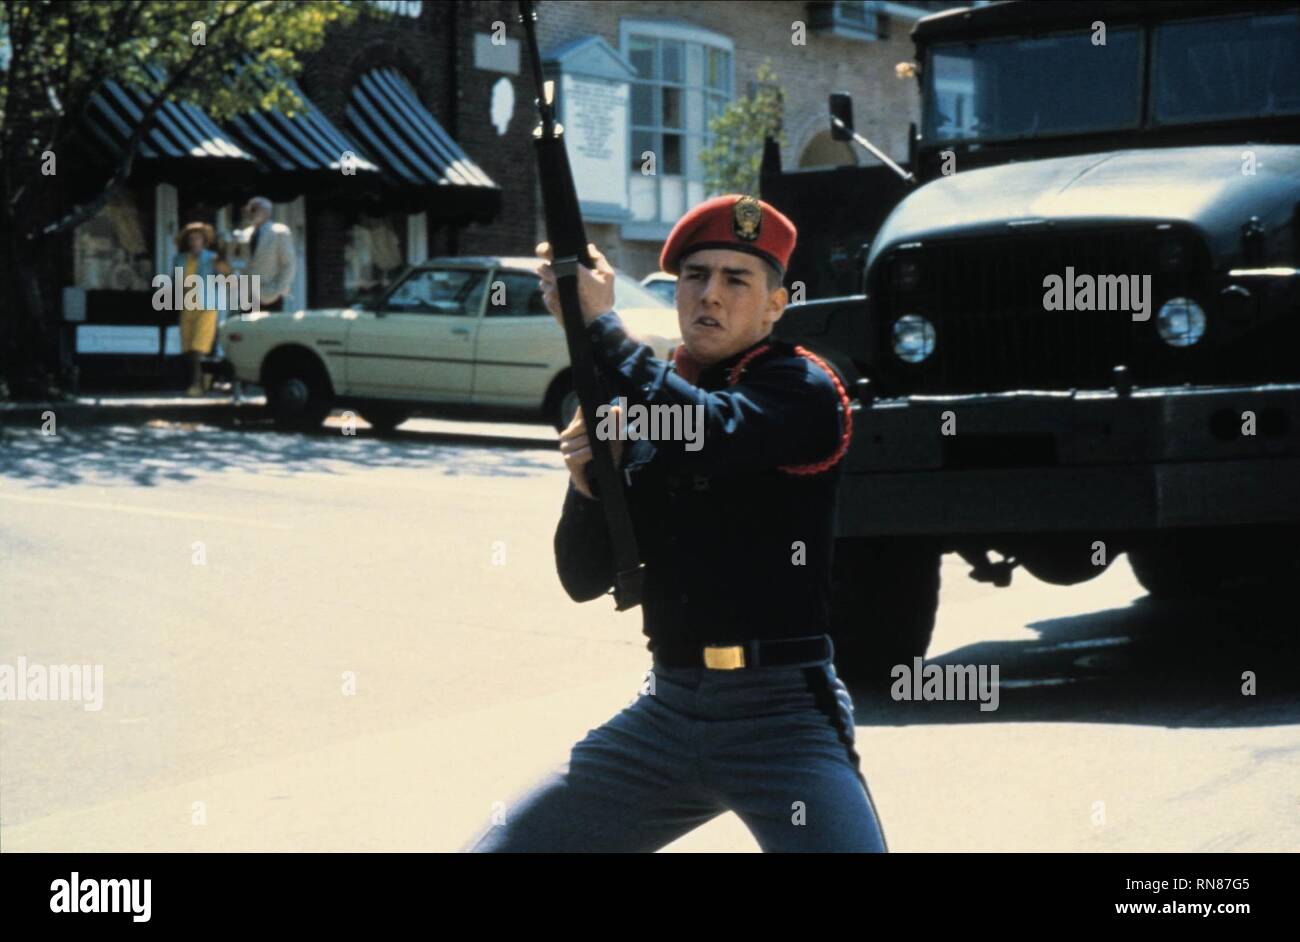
[{"x": 742, "y": 711}]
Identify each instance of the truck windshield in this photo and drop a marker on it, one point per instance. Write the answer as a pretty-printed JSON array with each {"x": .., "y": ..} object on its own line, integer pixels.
[
  {"x": 1004, "y": 89},
  {"x": 1229, "y": 67}
]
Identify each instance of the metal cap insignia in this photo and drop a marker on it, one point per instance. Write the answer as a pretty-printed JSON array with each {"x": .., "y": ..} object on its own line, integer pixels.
[{"x": 746, "y": 218}]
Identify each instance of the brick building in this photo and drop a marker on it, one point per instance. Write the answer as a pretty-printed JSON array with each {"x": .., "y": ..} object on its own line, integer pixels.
[
  {"x": 430, "y": 110},
  {"x": 688, "y": 60}
]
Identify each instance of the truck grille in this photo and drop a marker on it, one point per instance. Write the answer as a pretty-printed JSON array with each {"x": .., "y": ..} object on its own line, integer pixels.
[{"x": 985, "y": 298}]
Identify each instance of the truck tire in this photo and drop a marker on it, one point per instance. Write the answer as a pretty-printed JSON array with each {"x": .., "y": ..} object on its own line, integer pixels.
[
  {"x": 1177, "y": 565},
  {"x": 885, "y": 595}
]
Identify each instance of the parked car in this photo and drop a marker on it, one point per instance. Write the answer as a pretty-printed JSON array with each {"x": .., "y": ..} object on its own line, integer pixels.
[
  {"x": 465, "y": 331},
  {"x": 662, "y": 284}
]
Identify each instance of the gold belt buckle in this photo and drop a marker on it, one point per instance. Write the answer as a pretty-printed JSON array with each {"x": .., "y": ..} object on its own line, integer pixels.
[{"x": 727, "y": 658}]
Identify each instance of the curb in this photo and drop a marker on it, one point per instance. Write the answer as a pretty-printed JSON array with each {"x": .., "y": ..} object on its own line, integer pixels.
[
  {"x": 219, "y": 412},
  {"x": 31, "y": 414}
]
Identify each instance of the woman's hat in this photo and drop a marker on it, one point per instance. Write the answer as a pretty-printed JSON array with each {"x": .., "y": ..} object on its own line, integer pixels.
[{"x": 209, "y": 234}]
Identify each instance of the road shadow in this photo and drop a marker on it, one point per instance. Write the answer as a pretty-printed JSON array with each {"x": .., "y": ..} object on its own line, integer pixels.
[
  {"x": 1177, "y": 664},
  {"x": 160, "y": 452}
]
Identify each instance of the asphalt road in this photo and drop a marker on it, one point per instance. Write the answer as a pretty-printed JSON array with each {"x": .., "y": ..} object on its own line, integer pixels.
[{"x": 357, "y": 643}]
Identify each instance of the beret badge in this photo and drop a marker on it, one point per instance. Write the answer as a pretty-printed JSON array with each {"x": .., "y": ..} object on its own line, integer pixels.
[{"x": 746, "y": 218}]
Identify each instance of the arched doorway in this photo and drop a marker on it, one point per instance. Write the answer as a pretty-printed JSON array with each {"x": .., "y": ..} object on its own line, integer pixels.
[{"x": 823, "y": 151}]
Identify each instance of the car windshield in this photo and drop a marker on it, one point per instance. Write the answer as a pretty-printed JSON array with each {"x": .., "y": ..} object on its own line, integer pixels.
[
  {"x": 1024, "y": 88},
  {"x": 1229, "y": 67},
  {"x": 437, "y": 291}
]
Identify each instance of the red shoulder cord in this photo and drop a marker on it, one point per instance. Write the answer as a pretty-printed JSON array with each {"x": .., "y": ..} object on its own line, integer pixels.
[{"x": 845, "y": 436}]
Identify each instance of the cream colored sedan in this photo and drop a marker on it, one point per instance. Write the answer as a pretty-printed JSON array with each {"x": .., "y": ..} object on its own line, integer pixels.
[{"x": 462, "y": 331}]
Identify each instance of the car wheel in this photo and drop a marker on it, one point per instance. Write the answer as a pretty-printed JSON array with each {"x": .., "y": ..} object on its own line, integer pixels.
[
  {"x": 384, "y": 419},
  {"x": 298, "y": 400},
  {"x": 564, "y": 412}
]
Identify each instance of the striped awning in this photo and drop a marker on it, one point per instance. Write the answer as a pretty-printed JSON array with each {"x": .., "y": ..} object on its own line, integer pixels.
[
  {"x": 306, "y": 142},
  {"x": 179, "y": 131},
  {"x": 386, "y": 117}
]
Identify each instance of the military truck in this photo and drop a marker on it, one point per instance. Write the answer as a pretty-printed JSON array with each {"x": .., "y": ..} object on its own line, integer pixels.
[{"x": 1072, "y": 319}]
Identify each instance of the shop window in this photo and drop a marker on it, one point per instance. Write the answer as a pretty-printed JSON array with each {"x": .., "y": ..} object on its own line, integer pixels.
[
  {"x": 375, "y": 255},
  {"x": 111, "y": 251}
]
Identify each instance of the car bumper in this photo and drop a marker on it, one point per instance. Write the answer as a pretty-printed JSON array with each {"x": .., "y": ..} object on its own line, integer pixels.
[{"x": 1045, "y": 462}]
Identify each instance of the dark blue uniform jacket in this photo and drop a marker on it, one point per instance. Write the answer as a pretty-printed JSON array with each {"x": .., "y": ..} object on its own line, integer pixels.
[{"x": 734, "y": 548}]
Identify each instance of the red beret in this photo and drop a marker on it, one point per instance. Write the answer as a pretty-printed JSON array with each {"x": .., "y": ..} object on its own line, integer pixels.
[{"x": 739, "y": 223}]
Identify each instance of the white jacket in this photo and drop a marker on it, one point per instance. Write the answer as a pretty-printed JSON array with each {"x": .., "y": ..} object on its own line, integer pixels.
[{"x": 274, "y": 261}]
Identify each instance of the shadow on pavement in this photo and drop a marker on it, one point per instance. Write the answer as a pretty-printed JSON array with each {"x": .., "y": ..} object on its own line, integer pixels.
[
  {"x": 170, "y": 452},
  {"x": 1162, "y": 663}
]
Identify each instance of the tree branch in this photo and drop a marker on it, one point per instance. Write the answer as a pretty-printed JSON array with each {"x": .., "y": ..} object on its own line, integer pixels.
[{"x": 87, "y": 210}]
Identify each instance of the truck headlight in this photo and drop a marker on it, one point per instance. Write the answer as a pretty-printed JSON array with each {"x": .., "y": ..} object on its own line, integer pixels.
[
  {"x": 913, "y": 338},
  {"x": 1181, "y": 322}
]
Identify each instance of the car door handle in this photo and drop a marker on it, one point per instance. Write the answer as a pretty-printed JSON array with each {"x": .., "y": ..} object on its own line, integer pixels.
[{"x": 464, "y": 331}]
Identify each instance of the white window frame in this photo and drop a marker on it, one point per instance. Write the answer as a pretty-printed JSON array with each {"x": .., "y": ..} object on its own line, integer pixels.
[
  {"x": 166, "y": 223},
  {"x": 871, "y": 27},
  {"x": 657, "y": 228}
]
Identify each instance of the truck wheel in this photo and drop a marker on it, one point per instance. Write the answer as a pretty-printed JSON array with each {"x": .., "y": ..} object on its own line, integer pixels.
[
  {"x": 384, "y": 419},
  {"x": 298, "y": 399},
  {"x": 1177, "y": 565},
  {"x": 885, "y": 595},
  {"x": 1061, "y": 562}
]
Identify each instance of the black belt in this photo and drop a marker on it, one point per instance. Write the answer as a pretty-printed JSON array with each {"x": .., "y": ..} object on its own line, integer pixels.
[{"x": 785, "y": 652}]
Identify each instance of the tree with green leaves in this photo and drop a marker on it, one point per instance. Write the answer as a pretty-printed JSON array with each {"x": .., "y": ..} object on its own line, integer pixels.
[
  {"x": 229, "y": 56},
  {"x": 731, "y": 163}
]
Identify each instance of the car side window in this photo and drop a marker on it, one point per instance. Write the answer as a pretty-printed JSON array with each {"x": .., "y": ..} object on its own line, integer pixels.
[
  {"x": 438, "y": 291},
  {"x": 515, "y": 294}
]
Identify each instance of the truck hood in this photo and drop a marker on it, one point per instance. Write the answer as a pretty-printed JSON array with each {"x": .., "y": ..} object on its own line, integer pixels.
[{"x": 1204, "y": 187}]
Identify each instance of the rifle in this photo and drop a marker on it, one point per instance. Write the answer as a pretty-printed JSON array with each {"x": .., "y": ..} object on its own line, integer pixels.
[{"x": 568, "y": 239}]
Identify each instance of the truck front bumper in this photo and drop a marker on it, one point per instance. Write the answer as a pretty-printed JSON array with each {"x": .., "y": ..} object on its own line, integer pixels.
[{"x": 1054, "y": 462}]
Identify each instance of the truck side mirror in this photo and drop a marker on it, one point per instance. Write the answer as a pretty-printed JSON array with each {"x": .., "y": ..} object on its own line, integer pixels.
[{"x": 842, "y": 108}]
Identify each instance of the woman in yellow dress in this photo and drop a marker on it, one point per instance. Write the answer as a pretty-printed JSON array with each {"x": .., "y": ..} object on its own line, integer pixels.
[{"x": 198, "y": 326}]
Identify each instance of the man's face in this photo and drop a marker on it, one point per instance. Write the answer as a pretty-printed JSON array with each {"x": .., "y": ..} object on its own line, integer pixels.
[
  {"x": 723, "y": 304},
  {"x": 255, "y": 214}
]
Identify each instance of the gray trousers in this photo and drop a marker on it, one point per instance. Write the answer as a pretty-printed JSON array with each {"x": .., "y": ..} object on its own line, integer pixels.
[{"x": 774, "y": 745}]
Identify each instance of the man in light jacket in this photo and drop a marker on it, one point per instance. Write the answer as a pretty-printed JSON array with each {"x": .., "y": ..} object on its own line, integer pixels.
[{"x": 268, "y": 248}]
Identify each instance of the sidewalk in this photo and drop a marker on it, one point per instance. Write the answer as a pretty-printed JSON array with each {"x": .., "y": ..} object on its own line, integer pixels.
[
  {"x": 219, "y": 408},
  {"x": 112, "y": 408}
]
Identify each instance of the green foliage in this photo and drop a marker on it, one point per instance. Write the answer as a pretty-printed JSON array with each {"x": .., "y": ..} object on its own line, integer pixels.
[
  {"x": 229, "y": 56},
  {"x": 731, "y": 163}
]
